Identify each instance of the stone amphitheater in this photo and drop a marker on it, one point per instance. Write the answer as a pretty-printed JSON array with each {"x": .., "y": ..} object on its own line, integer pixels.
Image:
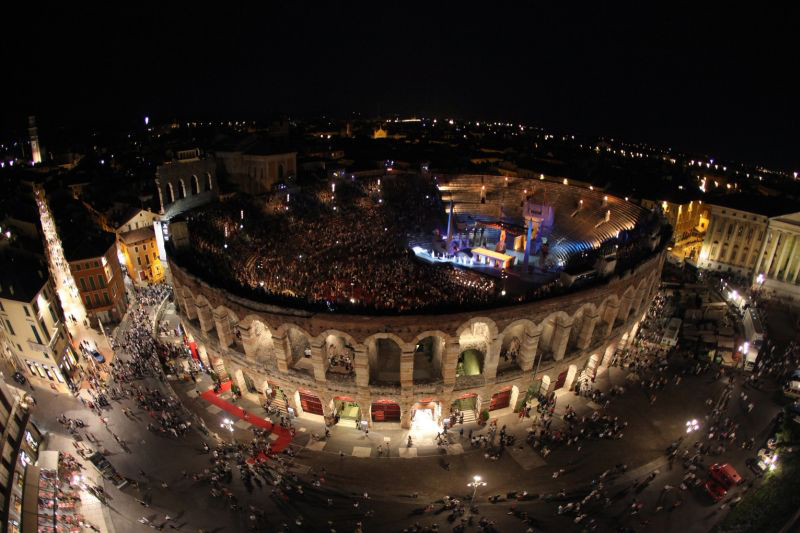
[{"x": 383, "y": 369}]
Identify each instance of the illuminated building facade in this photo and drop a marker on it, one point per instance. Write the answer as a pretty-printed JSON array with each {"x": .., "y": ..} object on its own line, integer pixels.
[
  {"x": 98, "y": 277},
  {"x": 35, "y": 340}
]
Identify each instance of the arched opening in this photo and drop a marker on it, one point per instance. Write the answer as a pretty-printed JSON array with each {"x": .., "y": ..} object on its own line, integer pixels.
[
  {"x": 309, "y": 404},
  {"x": 299, "y": 344},
  {"x": 209, "y": 185},
  {"x": 245, "y": 382},
  {"x": 261, "y": 339},
  {"x": 339, "y": 358},
  {"x": 385, "y": 411},
  {"x": 551, "y": 340},
  {"x": 428, "y": 359},
  {"x": 170, "y": 193},
  {"x": 465, "y": 407},
  {"x": 195, "y": 185},
  {"x": 425, "y": 416},
  {"x": 474, "y": 345},
  {"x": 544, "y": 387},
  {"x": 572, "y": 373},
  {"x": 574, "y": 332},
  {"x": 218, "y": 366},
  {"x": 384, "y": 361},
  {"x": 182, "y": 188},
  {"x": 511, "y": 347},
  {"x": 346, "y": 411},
  {"x": 280, "y": 172}
]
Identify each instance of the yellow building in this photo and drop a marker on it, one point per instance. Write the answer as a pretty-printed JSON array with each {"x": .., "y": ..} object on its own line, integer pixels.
[
  {"x": 689, "y": 220},
  {"x": 139, "y": 251}
]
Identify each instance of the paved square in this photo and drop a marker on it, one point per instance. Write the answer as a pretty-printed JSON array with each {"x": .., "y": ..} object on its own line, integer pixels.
[
  {"x": 243, "y": 424},
  {"x": 191, "y": 393},
  {"x": 407, "y": 453},
  {"x": 387, "y": 439},
  {"x": 302, "y": 430},
  {"x": 361, "y": 451},
  {"x": 213, "y": 409},
  {"x": 316, "y": 445},
  {"x": 526, "y": 458},
  {"x": 273, "y": 436},
  {"x": 594, "y": 406},
  {"x": 455, "y": 449}
]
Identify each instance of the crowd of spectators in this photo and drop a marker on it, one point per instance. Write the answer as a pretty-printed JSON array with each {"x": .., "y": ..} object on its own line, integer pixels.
[{"x": 349, "y": 250}]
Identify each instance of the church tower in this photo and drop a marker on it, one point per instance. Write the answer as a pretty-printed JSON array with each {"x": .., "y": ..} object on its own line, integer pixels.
[{"x": 36, "y": 153}]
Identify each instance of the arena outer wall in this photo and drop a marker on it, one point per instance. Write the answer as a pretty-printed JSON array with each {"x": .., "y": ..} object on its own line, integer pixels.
[{"x": 282, "y": 347}]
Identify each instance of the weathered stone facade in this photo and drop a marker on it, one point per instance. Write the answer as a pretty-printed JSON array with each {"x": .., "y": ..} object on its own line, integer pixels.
[{"x": 394, "y": 359}]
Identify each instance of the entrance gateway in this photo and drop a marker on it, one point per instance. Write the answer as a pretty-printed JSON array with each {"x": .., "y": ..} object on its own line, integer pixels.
[
  {"x": 385, "y": 411},
  {"x": 346, "y": 408},
  {"x": 425, "y": 416}
]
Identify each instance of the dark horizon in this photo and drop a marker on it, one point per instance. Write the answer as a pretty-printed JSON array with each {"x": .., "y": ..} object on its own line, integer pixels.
[{"x": 705, "y": 82}]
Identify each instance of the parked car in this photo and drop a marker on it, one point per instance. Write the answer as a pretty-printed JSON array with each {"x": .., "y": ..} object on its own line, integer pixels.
[
  {"x": 725, "y": 475},
  {"x": 19, "y": 378},
  {"x": 98, "y": 356}
]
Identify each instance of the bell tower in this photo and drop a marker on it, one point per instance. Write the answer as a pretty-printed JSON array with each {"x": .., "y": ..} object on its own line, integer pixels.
[{"x": 36, "y": 154}]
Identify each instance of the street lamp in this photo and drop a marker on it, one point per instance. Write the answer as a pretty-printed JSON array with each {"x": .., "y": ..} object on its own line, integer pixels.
[
  {"x": 476, "y": 482},
  {"x": 692, "y": 425},
  {"x": 227, "y": 424}
]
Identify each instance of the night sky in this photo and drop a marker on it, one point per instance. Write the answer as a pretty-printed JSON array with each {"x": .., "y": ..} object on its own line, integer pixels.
[{"x": 719, "y": 81}]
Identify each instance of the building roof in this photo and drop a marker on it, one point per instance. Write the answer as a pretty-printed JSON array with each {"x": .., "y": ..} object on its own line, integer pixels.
[
  {"x": 85, "y": 243},
  {"x": 138, "y": 235},
  {"x": 768, "y": 206},
  {"x": 22, "y": 275},
  {"x": 120, "y": 214}
]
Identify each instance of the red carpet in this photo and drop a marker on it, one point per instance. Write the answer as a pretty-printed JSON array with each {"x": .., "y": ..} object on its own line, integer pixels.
[{"x": 284, "y": 436}]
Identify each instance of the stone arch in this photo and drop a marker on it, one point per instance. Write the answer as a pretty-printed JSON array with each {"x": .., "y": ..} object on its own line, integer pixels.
[
  {"x": 226, "y": 323},
  {"x": 182, "y": 190},
  {"x": 490, "y": 324},
  {"x": 626, "y": 304},
  {"x": 513, "y": 341},
  {"x": 169, "y": 192},
  {"x": 190, "y": 308},
  {"x": 338, "y": 351},
  {"x": 607, "y": 315},
  {"x": 555, "y": 334},
  {"x": 544, "y": 387},
  {"x": 204, "y": 313},
  {"x": 584, "y": 311},
  {"x": 384, "y": 352},
  {"x": 430, "y": 355},
  {"x": 209, "y": 183},
  {"x": 572, "y": 373},
  {"x": 256, "y": 337},
  {"x": 298, "y": 348},
  {"x": 475, "y": 339},
  {"x": 195, "y": 184}
]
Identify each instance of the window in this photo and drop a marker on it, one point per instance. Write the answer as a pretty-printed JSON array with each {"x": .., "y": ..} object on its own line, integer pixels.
[
  {"x": 97, "y": 264},
  {"x": 749, "y": 234},
  {"x": 2, "y": 308},
  {"x": 52, "y": 314},
  {"x": 96, "y": 300},
  {"x": 10, "y": 329},
  {"x": 27, "y": 313},
  {"x": 32, "y": 442},
  {"x": 91, "y": 282},
  {"x": 44, "y": 330},
  {"x": 83, "y": 284},
  {"x": 77, "y": 267},
  {"x": 135, "y": 248},
  {"x": 36, "y": 334},
  {"x": 139, "y": 261},
  {"x": 101, "y": 280},
  {"x": 88, "y": 301},
  {"x": 105, "y": 298}
]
